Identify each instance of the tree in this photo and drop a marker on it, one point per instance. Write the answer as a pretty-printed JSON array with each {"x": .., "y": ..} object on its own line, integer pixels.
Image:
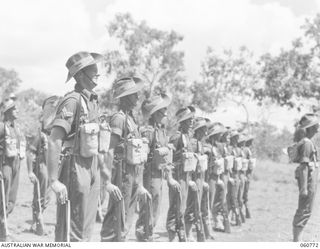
[
  {"x": 229, "y": 76},
  {"x": 9, "y": 82},
  {"x": 147, "y": 52}
]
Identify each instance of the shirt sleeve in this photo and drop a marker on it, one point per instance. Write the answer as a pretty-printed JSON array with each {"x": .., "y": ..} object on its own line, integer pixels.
[
  {"x": 66, "y": 114},
  {"x": 117, "y": 124},
  {"x": 305, "y": 152}
]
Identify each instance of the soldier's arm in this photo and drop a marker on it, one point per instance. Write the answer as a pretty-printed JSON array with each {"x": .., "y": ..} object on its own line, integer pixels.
[{"x": 54, "y": 149}]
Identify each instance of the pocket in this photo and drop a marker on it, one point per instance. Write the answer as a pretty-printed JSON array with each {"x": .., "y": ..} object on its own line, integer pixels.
[
  {"x": 137, "y": 151},
  {"x": 189, "y": 161},
  {"x": 89, "y": 139},
  {"x": 161, "y": 157},
  {"x": 104, "y": 138}
]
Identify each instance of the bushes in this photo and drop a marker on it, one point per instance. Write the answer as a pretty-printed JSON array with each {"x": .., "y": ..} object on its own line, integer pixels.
[{"x": 269, "y": 141}]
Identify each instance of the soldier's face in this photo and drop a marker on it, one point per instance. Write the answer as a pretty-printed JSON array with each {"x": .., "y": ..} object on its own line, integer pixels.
[
  {"x": 133, "y": 99},
  {"x": 160, "y": 116},
  {"x": 201, "y": 132},
  {"x": 90, "y": 76}
]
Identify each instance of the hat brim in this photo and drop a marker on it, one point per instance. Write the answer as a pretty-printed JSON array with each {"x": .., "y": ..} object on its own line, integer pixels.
[
  {"x": 200, "y": 126},
  {"x": 188, "y": 116},
  {"x": 315, "y": 122},
  {"x": 9, "y": 107},
  {"x": 96, "y": 59},
  {"x": 216, "y": 132},
  {"x": 166, "y": 101},
  {"x": 135, "y": 89}
]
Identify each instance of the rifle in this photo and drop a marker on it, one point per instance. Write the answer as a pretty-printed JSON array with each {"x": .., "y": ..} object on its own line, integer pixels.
[
  {"x": 37, "y": 169},
  {"x": 199, "y": 222},
  {"x": 4, "y": 204}
]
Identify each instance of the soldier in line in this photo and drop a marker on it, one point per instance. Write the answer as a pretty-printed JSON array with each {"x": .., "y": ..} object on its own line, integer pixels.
[
  {"x": 157, "y": 167},
  {"x": 242, "y": 175},
  {"x": 200, "y": 131},
  {"x": 217, "y": 187},
  {"x": 124, "y": 127},
  {"x": 233, "y": 185},
  {"x": 178, "y": 216},
  {"x": 228, "y": 165},
  {"x": 306, "y": 174},
  {"x": 77, "y": 184},
  {"x": 10, "y": 137},
  {"x": 38, "y": 174},
  {"x": 249, "y": 156}
]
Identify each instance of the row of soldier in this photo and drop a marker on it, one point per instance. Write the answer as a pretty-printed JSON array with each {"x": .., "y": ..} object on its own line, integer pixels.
[{"x": 207, "y": 166}]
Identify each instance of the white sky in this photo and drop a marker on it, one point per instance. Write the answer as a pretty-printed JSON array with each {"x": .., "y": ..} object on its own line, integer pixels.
[{"x": 38, "y": 36}]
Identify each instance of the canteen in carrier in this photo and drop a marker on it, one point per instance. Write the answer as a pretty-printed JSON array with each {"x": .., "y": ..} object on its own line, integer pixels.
[
  {"x": 161, "y": 157},
  {"x": 137, "y": 151},
  {"x": 203, "y": 162},
  {"x": 189, "y": 161},
  {"x": 238, "y": 163},
  {"x": 245, "y": 164},
  {"x": 228, "y": 162},
  {"x": 293, "y": 153},
  {"x": 218, "y": 166},
  {"x": 89, "y": 143},
  {"x": 252, "y": 163}
]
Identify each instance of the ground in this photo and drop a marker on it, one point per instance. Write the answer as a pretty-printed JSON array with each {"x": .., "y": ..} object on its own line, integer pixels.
[{"x": 273, "y": 201}]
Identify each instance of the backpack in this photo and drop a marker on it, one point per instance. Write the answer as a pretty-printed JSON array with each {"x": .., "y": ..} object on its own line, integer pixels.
[{"x": 49, "y": 111}]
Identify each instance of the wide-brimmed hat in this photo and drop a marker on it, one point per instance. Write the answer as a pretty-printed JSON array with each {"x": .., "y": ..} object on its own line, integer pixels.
[
  {"x": 249, "y": 138},
  {"x": 185, "y": 113},
  {"x": 234, "y": 133},
  {"x": 155, "y": 103},
  {"x": 308, "y": 120},
  {"x": 242, "y": 138},
  {"x": 201, "y": 122},
  {"x": 81, "y": 60},
  {"x": 216, "y": 128},
  {"x": 8, "y": 105},
  {"x": 127, "y": 86}
]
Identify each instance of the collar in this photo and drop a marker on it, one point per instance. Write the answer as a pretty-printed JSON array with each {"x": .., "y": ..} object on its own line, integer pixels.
[{"x": 88, "y": 94}]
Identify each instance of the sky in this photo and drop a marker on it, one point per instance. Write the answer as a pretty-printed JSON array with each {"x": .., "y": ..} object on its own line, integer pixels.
[{"x": 38, "y": 36}]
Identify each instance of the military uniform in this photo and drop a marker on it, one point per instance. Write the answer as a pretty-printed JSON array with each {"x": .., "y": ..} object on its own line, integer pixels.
[
  {"x": 37, "y": 149},
  {"x": 152, "y": 177},
  {"x": 306, "y": 175},
  {"x": 247, "y": 155},
  {"x": 80, "y": 174},
  {"x": 182, "y": 143},
  {"x": 135, "y": 196},
  {"x": 10, "y": 137}
]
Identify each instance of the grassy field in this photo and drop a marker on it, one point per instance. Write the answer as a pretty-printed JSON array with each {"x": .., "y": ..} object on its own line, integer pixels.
[{"x": 273, "y": 200}]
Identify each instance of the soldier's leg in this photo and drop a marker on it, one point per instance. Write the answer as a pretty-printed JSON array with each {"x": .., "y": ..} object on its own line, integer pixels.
[
  {"x": 224, "y": 209},
  {"x": 212, "y": 190},
  {"x": 305, "y": 206},
  {"x": 205, "y": 211},
  {"x": 14, "y": 185},
  {"x": 189, "y": 215},
  {"x": 144, "y": 224},
  {"x": 240, "y": 194},
  {"x": 246, "y": 195},
  {"x": 156, "y": 193}
]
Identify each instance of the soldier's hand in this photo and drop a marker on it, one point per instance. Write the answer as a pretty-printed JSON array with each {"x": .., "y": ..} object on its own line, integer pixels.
[
  {"x": 205, "y": 186},
  {"x": 143, "y": 193},
  {"x": 174, "y": 184},
  {"x": 32, "y": 177},
  {"x": 61, "y": 191},
  {"x": 193, "y": 185},
  {"x": 114, "y": 192}
]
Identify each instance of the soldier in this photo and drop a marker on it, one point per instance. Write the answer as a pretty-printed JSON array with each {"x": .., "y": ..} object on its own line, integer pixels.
[
  {"x": 179, "y": 218},
  {"x": 10, "y": 138},
  {"x": 233, "y": 185},
  {"x": 200, "y": 130},
  {"x": 155, "y": 109},
  {"x": 38, "y": 174},
  {"x": 76, "y": 128},
  {"x": 248, "y": 155},
  {"x": 129, "y": 176},
  {"x": 242, "y": 175},
  {"x": 216, "y": 169},
  {"x": 306, "y": 174}
]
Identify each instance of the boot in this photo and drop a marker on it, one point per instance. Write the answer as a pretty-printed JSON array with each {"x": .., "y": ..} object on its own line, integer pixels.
[
  {"x": 188, "y": 232},
  {"x": 207, "y": 231},
  {"x": 297, "y": 234},
  {"x": 226, "y": 225},
  {"x": 171, "y": 235},
  {"x": 243, "y": 219},
  {"x": 238, "y": 219},
  {"x": 248, "y": 215}
]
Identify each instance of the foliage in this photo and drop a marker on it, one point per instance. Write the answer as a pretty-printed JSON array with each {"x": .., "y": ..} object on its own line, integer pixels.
[
  {"x": 269, "y": 142},
  {"x": 9, "y": 82},
  {"x": 229, "y": 76}
]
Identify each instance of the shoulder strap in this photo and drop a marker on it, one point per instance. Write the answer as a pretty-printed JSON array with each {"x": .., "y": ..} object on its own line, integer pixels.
[{"x": 77, "y": 120}]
